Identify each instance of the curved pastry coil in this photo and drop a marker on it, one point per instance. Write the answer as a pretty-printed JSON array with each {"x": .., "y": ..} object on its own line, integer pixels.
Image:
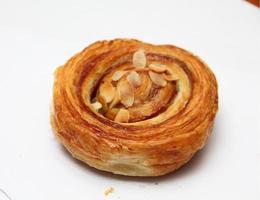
[{"x": 166, "y": 119}]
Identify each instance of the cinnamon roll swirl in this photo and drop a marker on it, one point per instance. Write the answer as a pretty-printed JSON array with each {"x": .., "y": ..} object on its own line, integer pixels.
[{"x": 134, "y": 108}]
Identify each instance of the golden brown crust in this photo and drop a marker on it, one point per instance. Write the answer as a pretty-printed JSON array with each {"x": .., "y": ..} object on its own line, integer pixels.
[{"x": 152, "y": 146}]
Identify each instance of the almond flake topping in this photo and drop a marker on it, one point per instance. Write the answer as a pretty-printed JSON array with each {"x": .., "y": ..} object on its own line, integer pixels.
[
  {"x": 96, "y": 105},
  {"x": 157, "y": 79},
  {"x": 157, "y": 67},
  {"x": 139, "y": 59},
  {"x": 116, "y": 99},
  {"x": 126, "y": 93},
  {"x": 107, "y": 91},
  {"x": 122, "y": 116},
  {"x": 134, "y": 79},
  {"x": 118, "y": 74}
]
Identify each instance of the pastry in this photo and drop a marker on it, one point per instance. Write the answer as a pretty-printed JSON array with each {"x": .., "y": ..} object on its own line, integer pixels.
[{"x": 133, "y": 108}]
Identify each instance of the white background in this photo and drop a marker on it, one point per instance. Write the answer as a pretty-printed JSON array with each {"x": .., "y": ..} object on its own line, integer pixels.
[{"x": 38, "y": 36}]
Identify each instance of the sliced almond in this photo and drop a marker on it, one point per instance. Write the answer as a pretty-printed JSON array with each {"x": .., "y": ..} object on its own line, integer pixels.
[
  {"x": 126, "y": 93},
  {"x": 103, "y": 102},
  {"x": 96, "y": 105},
  {"x": 139, "y": 59},
  {"x": 107, "y": 91},
  {"x": 156, "y": 67},
  {"x": 170, "y": 77},
  {"x": 116, "y": 99},
  {"x": 118, "y": 74},
  {"x": 111, "y": 113},
  {"x": 122, "y": 116},
  {"x": 134, "y": 79},
  {"x": 157, "y": 79}
]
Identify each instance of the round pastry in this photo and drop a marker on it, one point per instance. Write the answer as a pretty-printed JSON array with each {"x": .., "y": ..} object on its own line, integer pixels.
[{"x": 134, "y": 108}]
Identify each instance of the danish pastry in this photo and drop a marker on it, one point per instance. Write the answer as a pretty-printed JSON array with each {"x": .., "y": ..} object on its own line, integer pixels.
[{"x": 133, "y": 108}]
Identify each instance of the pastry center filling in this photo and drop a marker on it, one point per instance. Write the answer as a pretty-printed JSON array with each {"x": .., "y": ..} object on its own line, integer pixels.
[{"x": 135, "y": 91}]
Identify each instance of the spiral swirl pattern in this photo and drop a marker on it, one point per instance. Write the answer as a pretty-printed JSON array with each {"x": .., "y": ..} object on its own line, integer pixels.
[{"x": 148, "y": 128}]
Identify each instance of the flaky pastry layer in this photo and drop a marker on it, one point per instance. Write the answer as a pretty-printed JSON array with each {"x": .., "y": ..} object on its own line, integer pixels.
[{"x": 148, "y": 145}]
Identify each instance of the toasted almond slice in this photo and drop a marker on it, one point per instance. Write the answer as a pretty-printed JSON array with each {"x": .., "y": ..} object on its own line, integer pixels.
[
  {"x": 139, "y": 59},
  {"x": 157, "y": 79},
  {"x": 97, "y": 105},
  {"x": 107, "y": 91},
  {"x": 118, "y": 74},
  {"x": 116, "y": 99},
  {"x": 134, "y": 79},
  {"x": 156, "y": 67},
  {"x": 122, "y": 116},
  {"x": 111, "y": 113},
  {"x": 126, "y": 93},
  {"x": 103, "y": 102},
  {"x": 170, "y": 77}
]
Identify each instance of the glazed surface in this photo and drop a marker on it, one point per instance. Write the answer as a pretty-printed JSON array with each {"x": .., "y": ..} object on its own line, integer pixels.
[{"x": 158, "y": 137}]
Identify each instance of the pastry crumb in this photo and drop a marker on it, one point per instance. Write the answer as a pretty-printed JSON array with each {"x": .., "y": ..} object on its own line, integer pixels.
[{"x": 109, "y": 190}]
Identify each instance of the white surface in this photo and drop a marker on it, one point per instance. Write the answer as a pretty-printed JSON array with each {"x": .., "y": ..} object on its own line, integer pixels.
[{"x": 36, "y": 37}]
